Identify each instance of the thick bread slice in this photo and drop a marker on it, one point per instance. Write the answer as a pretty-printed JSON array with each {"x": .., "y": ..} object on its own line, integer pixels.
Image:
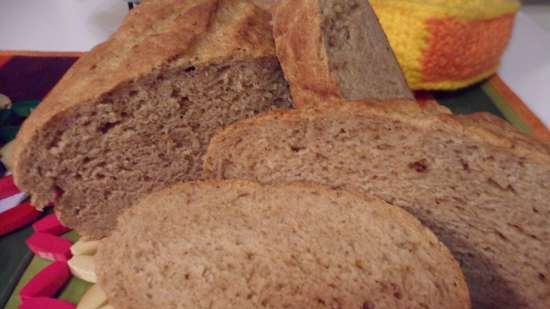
[
  {"x": 137, "y": 112},
  {"x": 239, "y": 244},
  {"x": 335, "y": 49},
  {"x": 478, "y": 183}
]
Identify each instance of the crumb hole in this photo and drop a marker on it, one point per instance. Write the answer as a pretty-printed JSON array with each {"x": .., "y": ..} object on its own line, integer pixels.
[
  {"x": 420, "y": 166},
  {"x": 106, "y": 127},
  {"x": 297, "y": 148}
]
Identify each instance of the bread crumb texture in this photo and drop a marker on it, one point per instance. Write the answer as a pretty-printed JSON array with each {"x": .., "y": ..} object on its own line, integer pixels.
[
  {"x": 237, "y": 244},
  {"x": 137, "y": 112},
  {"x": 478, "y": 183}
]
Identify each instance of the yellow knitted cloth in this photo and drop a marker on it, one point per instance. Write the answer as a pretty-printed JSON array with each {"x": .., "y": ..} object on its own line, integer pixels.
[{"x": 447, "y": 44}]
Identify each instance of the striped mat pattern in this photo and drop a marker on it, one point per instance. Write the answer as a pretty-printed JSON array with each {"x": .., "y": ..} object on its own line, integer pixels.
[{"x": 26, "y": 78}]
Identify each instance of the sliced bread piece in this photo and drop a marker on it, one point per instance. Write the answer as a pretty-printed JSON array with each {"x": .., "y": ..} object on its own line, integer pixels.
[
  {"x": 335, "y": 50},
  {"x": 237, "y": 244},
  {"x": 479, "y": 184},
  {"x": 137, "y": 112}
]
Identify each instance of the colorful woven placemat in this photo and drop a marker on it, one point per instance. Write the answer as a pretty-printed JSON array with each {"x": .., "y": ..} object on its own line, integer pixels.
[{"x": 26, "y": 77}]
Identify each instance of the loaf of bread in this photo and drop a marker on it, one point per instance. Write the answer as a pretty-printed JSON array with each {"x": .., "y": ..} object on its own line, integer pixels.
[
  {"x": 479, "y": 184},
  {"x": 237, "y": 244},
  {"x": 440, "y": 44},
  {"x": 335, "y": 49},
  {"x": 137, "y": 112}
]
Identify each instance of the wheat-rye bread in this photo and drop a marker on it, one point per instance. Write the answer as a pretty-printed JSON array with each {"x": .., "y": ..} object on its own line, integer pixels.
[
  {"x": 239, "y": 244},
  {"x": 333, "y": 50},
  {"x": 137, "y": 112},
  {"x": 478, "y": 183}
]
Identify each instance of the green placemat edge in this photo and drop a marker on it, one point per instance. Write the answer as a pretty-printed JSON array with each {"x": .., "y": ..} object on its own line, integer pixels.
[
  {"x": 36, "y": 265},
  {"x": 14, "y": 258},
  {"x": 468, "y": 100},
  {"x": 72, "y": 292},
  {"x": 500, "y": 102}
]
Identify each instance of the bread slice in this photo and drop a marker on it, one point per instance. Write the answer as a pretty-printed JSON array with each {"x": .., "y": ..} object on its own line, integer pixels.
[
  {"x": 479, "y": 184},
  {"x": 335, "y": 50},
  {"x": 239, "y": 244},
  {"x": 137, "y": 112}
]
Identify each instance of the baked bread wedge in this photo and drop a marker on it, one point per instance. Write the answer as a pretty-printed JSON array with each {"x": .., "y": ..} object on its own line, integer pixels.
[
  {"x": 333, "y": 50},
  {"x": 478, "y": 183},
  {"x": 238, "y": 244},
  {"x": 136, "y": 113}
]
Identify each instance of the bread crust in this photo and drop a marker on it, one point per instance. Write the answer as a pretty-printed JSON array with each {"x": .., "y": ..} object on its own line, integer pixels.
[
  {"x": 482, "y": 127},
  {"x": 157, "y": 34},
  {"x": 302, "y": 52}
]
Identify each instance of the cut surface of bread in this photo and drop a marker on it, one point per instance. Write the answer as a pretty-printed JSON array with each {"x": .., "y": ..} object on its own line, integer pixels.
[
  {"x": 137, "y": 112},
  {"x": 336, "y": 50},
  {"x": 238, "y": 244},
  {"x": 479, "y": 184}
]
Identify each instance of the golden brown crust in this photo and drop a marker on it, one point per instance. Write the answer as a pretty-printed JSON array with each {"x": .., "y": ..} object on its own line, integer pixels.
[
  {"x": 498, "y": 132},
  {"x": 302, "y": 39},
  {"x": 160, "y": 33},
  {"x": 301, "y": 51},
  {"x": 482, "y": 127}
]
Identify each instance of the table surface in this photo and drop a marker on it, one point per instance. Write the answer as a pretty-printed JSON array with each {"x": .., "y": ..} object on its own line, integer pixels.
[
  {"x": 61, "y": 25},
  {"x": 539, "y": 11}
]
